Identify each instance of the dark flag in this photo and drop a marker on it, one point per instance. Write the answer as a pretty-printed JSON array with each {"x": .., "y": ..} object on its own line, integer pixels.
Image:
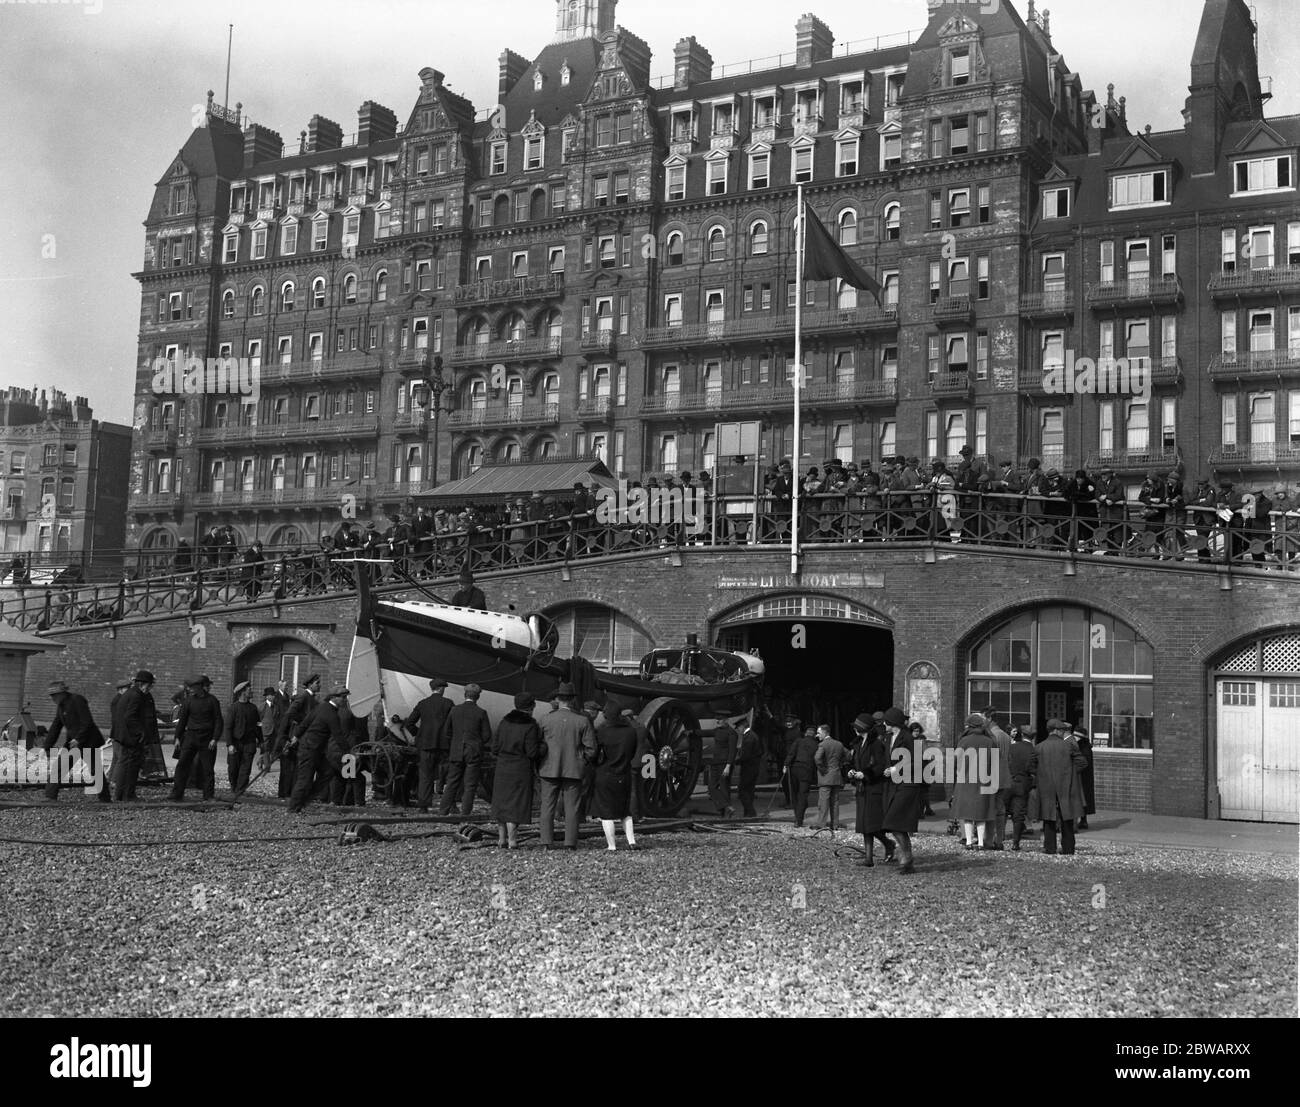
[{"x": 824, "y": 260}]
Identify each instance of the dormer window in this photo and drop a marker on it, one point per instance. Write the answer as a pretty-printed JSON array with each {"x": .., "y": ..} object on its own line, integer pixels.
[
  {"x": 1271, "y": 174},
  {"x": 266, "y": 194},
  {"x": 765, "y": 111},
  {"x": 497, "y": 156},
  {"x": 566, "y": 74},
  {"x": 1056, "y": 203},
  {"x": 684, "y": 125},
  {"x": 808, "y": 106},
  {"x": 534, "y": 152},
  {"x": 538, "y": 81},
  {"x": 1131, "y": 190},
  {"x": 959, "y": 66},
  {"x": 238, "y": 200},
  {"x": 894, "y": 88},
  {"x": 851, "y": 98},
  {"x": 724, "y": 118}
]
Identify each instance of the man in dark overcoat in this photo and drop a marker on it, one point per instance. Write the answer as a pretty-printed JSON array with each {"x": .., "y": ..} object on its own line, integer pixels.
[
  {"x": 903, "y": 790},
  {"x": 1022, "y": 780},
  {"x": 313, "y": 772},
  {"x": 470, "y": 737},
  {"x": 1086, "y": 780},
  {"x": 1056, "y": 765},
  {"x": 426, "y": 723},
  {"x": 73, "y": 721},
  {"x": 292, "y": 723},
  {"x": 570, "y": 742},
  {"x": 243, "y": 732},
  {"x": 135, "y": 728},
  {"x": 198, "y": 727}
]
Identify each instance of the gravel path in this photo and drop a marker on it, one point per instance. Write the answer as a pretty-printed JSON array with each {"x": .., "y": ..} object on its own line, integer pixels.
[{"x": 767, "y": 922}]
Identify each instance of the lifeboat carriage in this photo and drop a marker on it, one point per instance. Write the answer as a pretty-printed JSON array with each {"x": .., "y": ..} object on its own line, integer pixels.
[{"x": 401, "y": 645}]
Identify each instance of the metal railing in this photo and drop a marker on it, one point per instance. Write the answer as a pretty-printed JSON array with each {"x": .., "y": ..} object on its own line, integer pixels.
[{"x": 1143, "y": 533}]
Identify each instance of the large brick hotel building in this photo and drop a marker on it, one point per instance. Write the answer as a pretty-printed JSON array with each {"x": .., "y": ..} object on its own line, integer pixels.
[{"x": 603, "y": 263}]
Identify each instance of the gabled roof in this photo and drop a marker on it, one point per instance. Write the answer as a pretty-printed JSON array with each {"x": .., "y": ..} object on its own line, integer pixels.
[
  {"x": 1260, "y": 137},
  {"x": 497, "y": 482}
]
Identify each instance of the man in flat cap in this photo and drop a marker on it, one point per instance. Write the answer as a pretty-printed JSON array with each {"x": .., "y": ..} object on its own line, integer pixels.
[
  {"x": 570, "y": 742},
  {"x": 243, "y": 732},
  {"x": 135, "y": 728},
  {"x": 469, "y": 737},
  {"x": 313, "y": 773},
  {"x": 197, "y": 729},
  {"x": 73, "y": 722},
  {"x": 1055, "y": 766},
  {"x": 426, "y": 723},
  {"x": 292, "y": 724}
]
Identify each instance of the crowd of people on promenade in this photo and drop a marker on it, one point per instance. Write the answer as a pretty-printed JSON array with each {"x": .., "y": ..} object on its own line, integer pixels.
[{"x": 583, "y": 760}]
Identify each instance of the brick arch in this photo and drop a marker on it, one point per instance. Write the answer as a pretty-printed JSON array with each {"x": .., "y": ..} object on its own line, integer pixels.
[
  {"x": 988, "y": 617},
  {"x": 884, "y": 610},
  {"x": 1206, "y": 650},
  {"x": 644, "y": 618}
]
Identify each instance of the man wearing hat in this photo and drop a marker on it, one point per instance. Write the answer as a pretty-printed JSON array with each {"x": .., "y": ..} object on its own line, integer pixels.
[
  {"x": 1110, "y": 500},
  {"x": 1080, "y": 740},
  {"x": 749, "y": 757},
  {"x": 469, "y": 736},
  {"x": 243, "y": 731},
  {"x": 1227, "y": 506},
  {"x": 292, "y": 723},
  {"x": 1022, "y": 780},
  {"x": 469, "y": 594},
  {"x": 314, "y": 774},
  {"x": 197, "y": 730},
  {"x": 801, "y": 768},
  {"x": 72, "y": 714},
  {"x": 1055, "y": 766},
  {"x": 570, "y": 742},
  {"x": 135, "y": 727},
  {"x": 720, "y": 756},
  {"x": 902, "y": 797},
  {"x": 426, "y": 722},
  {"x": 1003, "y": 742}
]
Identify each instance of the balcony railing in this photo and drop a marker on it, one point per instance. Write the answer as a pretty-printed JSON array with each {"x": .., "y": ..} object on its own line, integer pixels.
[
  {"x": 1058, "y": 301},
  {"x": 402, "y": 489},
  {"x": 601, "y": 341},
  {"x": 1256, "y": 453},
  {"x": 1136, "y": 289},
  {"x": 597, "y": 407},
  {"x": 160, "y": 437},
  {"x": 952, "y": 384},
  {"x": 353, "y": 426},
  {"x": 1255, "y": 363},
  {"x": 510, "y": 288},
  {"x": 513, "y": 415},
  {"x": 954, "y": 308},
  {"x": 763, "y": 324},
  {"x": 1281, "y": 278},
  {"x": 295, "y": 372},
  {"x": 882, "y": 392},
  {"x": 273, "y": 497},
  {"x": 509, "y": 349},
  {"x": 1160, "y": 460},
  {"x": 155, "y": 501}
]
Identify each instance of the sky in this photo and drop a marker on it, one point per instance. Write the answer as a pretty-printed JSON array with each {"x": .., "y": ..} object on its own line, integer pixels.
[{"x": 99, "y": 96}]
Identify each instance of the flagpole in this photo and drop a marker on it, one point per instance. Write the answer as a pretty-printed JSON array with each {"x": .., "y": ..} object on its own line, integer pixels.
[{"x": 798, "y": 384}]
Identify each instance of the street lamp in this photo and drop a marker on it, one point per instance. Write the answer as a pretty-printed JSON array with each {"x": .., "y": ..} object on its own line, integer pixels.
[{"x": 428, "y": 393}]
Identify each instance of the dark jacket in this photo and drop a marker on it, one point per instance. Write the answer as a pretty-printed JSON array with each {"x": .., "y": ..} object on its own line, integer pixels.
[
  {"x": 722, "y": 747},
  {"x": 1054, "y": 764},
  {"x": 325, "y": 726},
  {"x": 468, "y": 733},
  {"x": 243, "y": 724},
  {"x": 427, "y": 721},
  {"x": 470, "y": 596},
  {"x": 869, "y": 760},
  {"x": 517, "y": 743},
  {"x": 200, "y": 718},
  {"x": 971, "y": 802},
  {"x": 136, "y": 721},
  {"x": 1019, "y": 757},
  {"x": 73, "y": 715},
  {"x": 800, "y": 758},
  {"x": 295, "y": 719}
]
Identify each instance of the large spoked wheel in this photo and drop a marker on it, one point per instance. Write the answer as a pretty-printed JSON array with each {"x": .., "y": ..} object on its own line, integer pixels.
[{"x": 676, "y": 749}]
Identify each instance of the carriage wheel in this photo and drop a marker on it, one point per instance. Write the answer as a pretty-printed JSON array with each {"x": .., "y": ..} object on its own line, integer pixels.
[{"x": 675, "y": 746}]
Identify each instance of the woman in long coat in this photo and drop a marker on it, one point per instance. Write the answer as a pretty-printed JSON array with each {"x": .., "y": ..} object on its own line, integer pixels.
[
  {"x": 616, "y": 747},
  {"x": 516, "y": 747},
  {"x": 970, "y": 804},
  {"x": 868, "y": 773},
  {"x": 903, "y": 791}
]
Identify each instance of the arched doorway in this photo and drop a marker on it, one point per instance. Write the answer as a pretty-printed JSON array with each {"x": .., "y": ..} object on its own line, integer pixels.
[
  {"x": 827, "y": 659},
  {"x": 1257, "y": 706},
  {"x": 289, "y": 659}
]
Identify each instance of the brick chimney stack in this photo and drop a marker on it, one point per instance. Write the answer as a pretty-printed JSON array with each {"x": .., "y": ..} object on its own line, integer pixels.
[
  {"x": 814, "y": 41},
  {"x": 692, "y": 63}
]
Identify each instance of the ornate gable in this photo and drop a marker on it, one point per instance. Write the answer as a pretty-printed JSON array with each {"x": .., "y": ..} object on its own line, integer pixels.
[{"x": 1261, "y": 138}]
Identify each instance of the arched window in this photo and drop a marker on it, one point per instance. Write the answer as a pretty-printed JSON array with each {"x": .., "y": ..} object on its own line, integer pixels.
[
  {"x": 515, "y": 329},
  {"x": 477, "y": 395},
  {"x": 479, "y": 332},
  {"x": 350, "y": 289},
  {"x": 758, "y": 238},
  {"x": 551, "y": 392},
  {"x": 555, "y": 325},
  {"x": 607, "y": 638},
  {"x": 510, "y": 452},
  {"x": 318, "y": 292},
  {"x": 717, "y": 244},
  {"x": 515, "y": 395},
  {"x": 157, "y": 551},
  {"x": 381, "y": 286},
  {"x": 286, "y": 296},
  {"x": 501, "y": 211},
  {"x": 414, "y": 464},
  {"x": 544, "y": 450},
  {"x": 1071, "y": 663},
  {"x": 676, "y": 249},
  {"x": 471, "y": 459},
  {"x": 893, "y": 222},
  {"x": 257, "y": 301},
  {"x": 848, "y": 227},
  {"x": 228, "y": 304}
]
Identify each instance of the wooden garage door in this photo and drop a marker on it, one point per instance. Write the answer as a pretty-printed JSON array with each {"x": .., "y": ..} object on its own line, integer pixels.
[{"x": 282, "y": 659}]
